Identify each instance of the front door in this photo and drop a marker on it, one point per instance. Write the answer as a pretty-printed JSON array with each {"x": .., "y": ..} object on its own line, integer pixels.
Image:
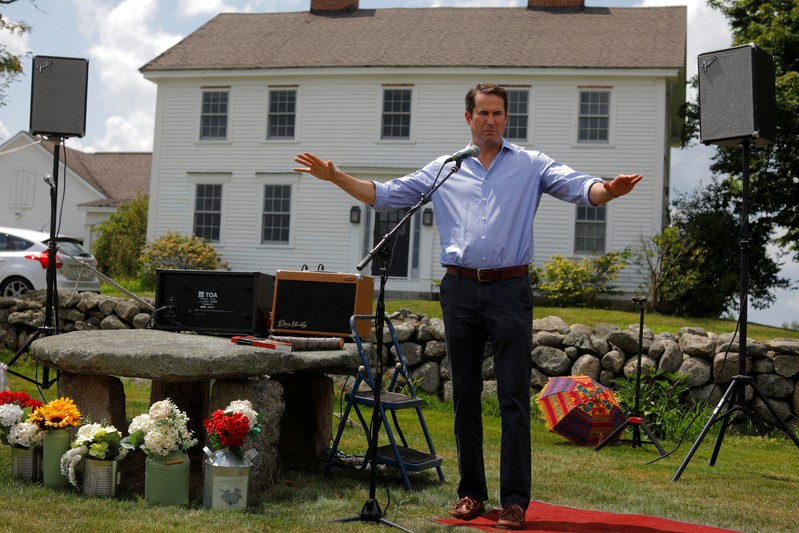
[{"x": 400, "y": 248}]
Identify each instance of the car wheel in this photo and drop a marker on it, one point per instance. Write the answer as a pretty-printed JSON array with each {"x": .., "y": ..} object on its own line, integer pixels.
[{"x": 15, "y": 287}]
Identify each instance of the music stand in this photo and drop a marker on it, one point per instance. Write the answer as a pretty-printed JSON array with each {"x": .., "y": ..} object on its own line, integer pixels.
[{"x": 635, "y": 420}]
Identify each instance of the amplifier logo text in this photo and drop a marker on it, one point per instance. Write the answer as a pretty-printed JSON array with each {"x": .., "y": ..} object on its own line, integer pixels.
[{"x": 293, "y": 324}]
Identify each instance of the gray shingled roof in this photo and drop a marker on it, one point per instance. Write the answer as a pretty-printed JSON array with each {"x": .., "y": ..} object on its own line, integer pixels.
[
  {"x": 593, "y": 37},
  {"x": 120, "y": 176}
]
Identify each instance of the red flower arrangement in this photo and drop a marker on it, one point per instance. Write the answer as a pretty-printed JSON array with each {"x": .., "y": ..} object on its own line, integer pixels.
[
  {"x": 227, "y": 430},
  {"x": 228, "y": 427},
  {"x": 19, "y": 398}
]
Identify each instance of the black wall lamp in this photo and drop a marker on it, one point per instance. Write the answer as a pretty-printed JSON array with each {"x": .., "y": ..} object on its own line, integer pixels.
[
  {"x": 427, "y": 217},
  {"x": 355, "y": 214}
]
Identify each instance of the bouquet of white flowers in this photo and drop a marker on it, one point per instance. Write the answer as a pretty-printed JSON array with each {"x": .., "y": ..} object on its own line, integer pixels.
[
  {"x": 160, "y": 431},
  {"x": 25, "y": 435},
  {"x": 96, "y": 442}
]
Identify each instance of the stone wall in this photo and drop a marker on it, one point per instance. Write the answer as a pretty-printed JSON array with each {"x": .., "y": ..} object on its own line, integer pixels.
[
  {"x": 20, "y": 317},
  {"x": 605, "y": 352}
]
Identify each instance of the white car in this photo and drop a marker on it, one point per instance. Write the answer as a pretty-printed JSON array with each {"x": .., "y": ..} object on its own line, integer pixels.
[{"x": 24, "y": 258}]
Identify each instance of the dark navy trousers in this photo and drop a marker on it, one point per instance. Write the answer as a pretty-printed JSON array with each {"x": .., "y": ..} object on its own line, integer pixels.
[{"x": 499, "y": 312}]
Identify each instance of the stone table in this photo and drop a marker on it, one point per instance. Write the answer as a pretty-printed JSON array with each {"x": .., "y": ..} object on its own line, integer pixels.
[{"x": 289, "y": 389}]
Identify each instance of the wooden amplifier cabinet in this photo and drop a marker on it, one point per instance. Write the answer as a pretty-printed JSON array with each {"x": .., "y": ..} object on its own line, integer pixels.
[{"x": 320, "y": 303}]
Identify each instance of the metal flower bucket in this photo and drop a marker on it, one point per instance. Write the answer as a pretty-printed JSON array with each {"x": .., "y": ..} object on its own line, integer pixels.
[
  {"x": 26, "y": 463},
  {"x": 227, "y": 480},
  {"x": 100, "y": 478}
]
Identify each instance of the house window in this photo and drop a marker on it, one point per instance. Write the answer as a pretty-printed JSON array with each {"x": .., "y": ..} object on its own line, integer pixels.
[
  {"x": 214, "y": 118},
  {"x": 276, "y": 215},
  {"x": 20, "y": 192},
  {"x": 594, "y": 119},
  {"x": 589, "y": 230},
  {"x": 282, "y": 114},
  {"x": 518, "y": 114},
  {"x": 208, "y": 212},
  {"x": 396, "y": 122}
]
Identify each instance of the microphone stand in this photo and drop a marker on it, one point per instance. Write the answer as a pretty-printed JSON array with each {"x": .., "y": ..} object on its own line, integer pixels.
[{"x": 371, "y": 511}]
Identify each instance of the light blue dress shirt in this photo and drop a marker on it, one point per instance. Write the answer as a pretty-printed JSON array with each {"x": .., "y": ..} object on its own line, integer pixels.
[{"x": 485, "y": 217}]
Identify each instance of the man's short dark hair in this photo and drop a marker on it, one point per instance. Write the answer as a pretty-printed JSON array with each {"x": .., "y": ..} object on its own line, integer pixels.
[{"x": 485, "y": 88}]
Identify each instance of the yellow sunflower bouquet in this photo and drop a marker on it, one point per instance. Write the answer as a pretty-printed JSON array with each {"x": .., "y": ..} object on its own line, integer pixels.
[{"x": 57, "y": 414}]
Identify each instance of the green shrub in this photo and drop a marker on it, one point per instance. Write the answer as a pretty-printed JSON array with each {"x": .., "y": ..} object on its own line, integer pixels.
[
  {"x": 177, "y": 251},
  {"x": 121, "y": 238},
  {"x": 579, "y": 283}
]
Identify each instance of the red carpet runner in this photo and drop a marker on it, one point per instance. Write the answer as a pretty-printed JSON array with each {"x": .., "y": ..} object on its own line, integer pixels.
[{"x": 547, "y": 518}]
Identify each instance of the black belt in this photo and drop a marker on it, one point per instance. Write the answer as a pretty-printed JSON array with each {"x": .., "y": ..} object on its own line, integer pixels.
[{"x": 488, "y": 274}]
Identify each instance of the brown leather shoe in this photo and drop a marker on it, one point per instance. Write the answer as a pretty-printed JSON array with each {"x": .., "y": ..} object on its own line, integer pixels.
[
  {"x": 467, "y": 508},
  {"x": 511, "y": 517}
]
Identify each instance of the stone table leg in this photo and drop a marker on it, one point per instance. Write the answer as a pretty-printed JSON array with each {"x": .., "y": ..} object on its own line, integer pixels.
[
  {"x": 100, "y": 399},
  {"x": 266, "y": 396},
  {"x": 306, "y": 428}
]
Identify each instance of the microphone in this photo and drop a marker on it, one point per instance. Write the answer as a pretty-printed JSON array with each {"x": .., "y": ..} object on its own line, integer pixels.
[
  {"x": 457, "y": 157},
  {"x": 48, "y": 179}
]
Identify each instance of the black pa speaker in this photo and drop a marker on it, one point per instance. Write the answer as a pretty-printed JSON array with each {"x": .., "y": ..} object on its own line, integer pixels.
[
  {"x": 213, "y": 301},
  {"x": 321, "y": 303},
  {"x": 58, "y": 96},
  {"x": 737, "y": 96}
]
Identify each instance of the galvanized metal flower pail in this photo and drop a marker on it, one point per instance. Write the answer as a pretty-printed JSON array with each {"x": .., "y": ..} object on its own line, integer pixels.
[
  {"x": 227, "y": 480},
  {"x": 100, "y": 478}
]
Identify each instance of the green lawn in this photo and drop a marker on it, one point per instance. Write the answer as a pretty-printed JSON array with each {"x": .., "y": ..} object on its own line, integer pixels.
[{"x": 752, "y": 488}]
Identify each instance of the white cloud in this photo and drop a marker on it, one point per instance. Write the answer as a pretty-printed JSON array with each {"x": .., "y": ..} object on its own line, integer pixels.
[
  {"x": 193, "y": 8},
  {"x": 15, "y": 43},
  {"x": 122, "y": 38},
  {"x": 4, "y": 133}
]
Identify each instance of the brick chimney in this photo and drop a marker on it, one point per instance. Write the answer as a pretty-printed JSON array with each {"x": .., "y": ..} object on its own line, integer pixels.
[
  {"x": 334, "y": 6},
  {"x": 568, "y": 4}
]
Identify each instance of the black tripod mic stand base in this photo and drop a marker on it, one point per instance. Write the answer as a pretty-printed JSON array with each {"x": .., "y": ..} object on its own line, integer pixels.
[
  {"x": 637, "y": 423},
  {"x": 371, "y": 512}
]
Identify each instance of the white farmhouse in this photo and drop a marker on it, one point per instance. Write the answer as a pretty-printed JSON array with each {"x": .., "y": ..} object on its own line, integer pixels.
[{"x": 381, "y": 93}]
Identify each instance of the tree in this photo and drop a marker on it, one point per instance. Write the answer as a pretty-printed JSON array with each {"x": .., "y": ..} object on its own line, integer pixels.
[
  {"x": 673, "y": 266},
  {"x": 121, "y": 239},
  {"x": 10, "y": 64},
  {"x": 774, "y": 26},
  {"x": 709, "y": 219}
]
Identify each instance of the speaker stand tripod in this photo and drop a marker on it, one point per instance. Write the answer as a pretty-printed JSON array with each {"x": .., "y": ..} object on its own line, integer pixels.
[
  {"x": 635, "y": 420},
  {"x": 734, "y": 399},
  {"x": 51, "y": 303}
]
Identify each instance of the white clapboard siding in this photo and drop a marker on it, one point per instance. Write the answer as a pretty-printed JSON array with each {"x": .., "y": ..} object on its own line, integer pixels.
[{"x": 338, "y": 118}]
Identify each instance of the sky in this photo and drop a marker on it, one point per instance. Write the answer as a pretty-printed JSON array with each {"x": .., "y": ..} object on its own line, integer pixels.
[{"x": 119, "y": 36}]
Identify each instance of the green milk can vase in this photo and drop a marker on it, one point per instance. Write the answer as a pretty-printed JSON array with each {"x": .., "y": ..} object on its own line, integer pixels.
[
  {"x": 26, "y": 463},
  {"x": 226, "y": 479},
  {"x": 166, "y": 478},
  {"x": 56, "y": 443}
]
